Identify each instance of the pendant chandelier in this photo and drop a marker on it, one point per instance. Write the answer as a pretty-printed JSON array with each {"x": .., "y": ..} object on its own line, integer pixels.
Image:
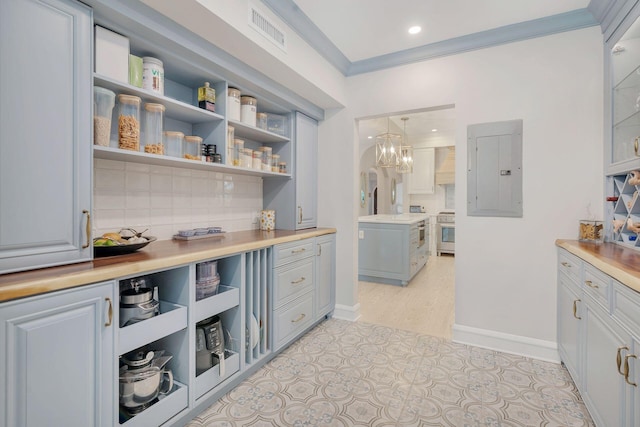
[
  {"x": 388, "y": 147},
  {"x": 405, "y": 157}
]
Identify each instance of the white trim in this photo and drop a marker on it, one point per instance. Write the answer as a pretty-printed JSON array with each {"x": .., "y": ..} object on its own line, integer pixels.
[
  {"x": 507, "y": 343},
  {"x": 347, "y": 312}
]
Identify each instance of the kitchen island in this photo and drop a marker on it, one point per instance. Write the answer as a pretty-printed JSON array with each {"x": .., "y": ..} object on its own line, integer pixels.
[{"x": 392, "y": 248}]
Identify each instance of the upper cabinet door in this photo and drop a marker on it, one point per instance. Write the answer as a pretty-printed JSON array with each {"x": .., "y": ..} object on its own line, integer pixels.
[
  {"x": 45, "y": 133},
  {"x": 306, "y": 171},
  {"x": 422, "y": 180}
]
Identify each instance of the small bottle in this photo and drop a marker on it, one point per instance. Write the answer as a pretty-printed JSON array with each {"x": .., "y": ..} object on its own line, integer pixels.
[
  {"x": 238, "y": 147},
  {"x": 282, "y": 167},
  {"x": 207, "y": 97}
]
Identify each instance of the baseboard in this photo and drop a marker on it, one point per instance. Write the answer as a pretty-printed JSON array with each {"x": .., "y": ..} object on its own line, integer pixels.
[
  {"x": 507, "y": 343},
  {"x": 347, "y": 312}
]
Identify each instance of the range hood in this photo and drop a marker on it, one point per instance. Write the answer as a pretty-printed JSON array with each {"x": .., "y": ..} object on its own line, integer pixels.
[{"x": 446, "y": 173}]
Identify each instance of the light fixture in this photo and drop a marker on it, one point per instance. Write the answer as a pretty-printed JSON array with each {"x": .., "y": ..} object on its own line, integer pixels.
[
  {"x": 434, "y": 130},
  {"x": 405, "y": 160},
  {"x": 415, "y": 29},
  {"x": 387, "y": 148}
]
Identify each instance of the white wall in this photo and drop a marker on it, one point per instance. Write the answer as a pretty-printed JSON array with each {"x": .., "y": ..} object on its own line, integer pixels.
[{"x": 505, "y": 268}]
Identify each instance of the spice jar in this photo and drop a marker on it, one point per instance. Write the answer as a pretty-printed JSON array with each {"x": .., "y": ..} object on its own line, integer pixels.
[
  {"x": 249, "y": 110},
  {"x": 213, "y": 153},
  {"x": 230, "y": 145},
  {"x": 207, "y": 97},
  {"x": 282, "y": 167},
  {"x": 233, "y": 104},
  {"x": 173, "y": 143},
  {"x": 247, "y": 158},
  {"x": 256, "y": 162},
  {"x": 238, "y": 146},
  {"x": 261, "y": 120},
  {"x": 191, "y": 147},
  {"x": 129, "y": 122},
  {"x": 103, "y": 102},
  {"x": 266, "y": 159},
  {"x": 153, "y": 122},
  {"x": 152, "y": 75}
]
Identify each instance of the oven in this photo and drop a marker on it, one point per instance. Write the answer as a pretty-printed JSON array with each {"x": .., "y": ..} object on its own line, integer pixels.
[
  {"x": 421, "y": 233},
  {"x": 446, "y": 233}
]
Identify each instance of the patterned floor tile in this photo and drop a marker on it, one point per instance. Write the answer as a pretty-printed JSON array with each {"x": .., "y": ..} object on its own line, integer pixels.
[{"x": 347, "y": 374}]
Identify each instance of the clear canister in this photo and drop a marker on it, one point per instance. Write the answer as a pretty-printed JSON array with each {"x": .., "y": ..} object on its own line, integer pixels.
[
  {"x": 173, "y": 143},
  {"x": 256, "y": 162},
  {"x": 153, "y": 126},
  {"x": 275, "y": 160},
  {"x": 192, "y": 147},
  {"x": 248, "y": 110},
  {"x": 238, "y": 147},
  {"x": 247, "y": 158},
  {"x": 266, "y": 159},
  {"x": 103, "y": 102},
  {"x": 230, "y": 145},
  {"x": 129, "y": 122},
  {"x": 233, "y": 104},
  {"x": 261, "y": 120}
]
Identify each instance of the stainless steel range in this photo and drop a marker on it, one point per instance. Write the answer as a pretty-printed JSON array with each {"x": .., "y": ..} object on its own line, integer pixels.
[{"x": 446, "y": 232}]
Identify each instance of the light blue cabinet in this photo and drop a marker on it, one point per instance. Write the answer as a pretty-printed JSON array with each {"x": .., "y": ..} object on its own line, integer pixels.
[
  {"x": 569, "y": 322},
  {"x": 325, "y": 274},
  {"x": 45, "y": 133},
  {"x": 56, "y": 359}
]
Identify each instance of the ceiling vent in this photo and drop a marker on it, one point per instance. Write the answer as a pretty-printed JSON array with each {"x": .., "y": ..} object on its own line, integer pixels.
[{"x": 259, "y": 22}]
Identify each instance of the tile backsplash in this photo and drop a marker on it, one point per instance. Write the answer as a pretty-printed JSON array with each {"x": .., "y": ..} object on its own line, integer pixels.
[{"x": 167, "y": 199}]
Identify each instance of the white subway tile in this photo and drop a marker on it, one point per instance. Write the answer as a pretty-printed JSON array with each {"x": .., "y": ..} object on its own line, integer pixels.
[
  {"x": 137, "y": 181},
  {"x": 137, "y": 218},
  {"x": 112, "y": 219},
  {"x": 138, "y": 200},
  {"x": 161, "y": 183},
  {"x": 137, "y": 167},
  {"x": 108, "y": 199},
  {"x": 181, "y": 172},
  {"x": 108, "y": 164},
  {"x": 108, "y": 179},
  {"x": 161, "y": 200},
  {"x": 161, "y": 217},
  {"x": 162, "y": 170},
  {"x": 182, "y": 184}
]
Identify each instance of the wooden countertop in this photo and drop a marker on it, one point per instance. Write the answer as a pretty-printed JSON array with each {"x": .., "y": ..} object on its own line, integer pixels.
[
  {"x": 161, "y": 254},
  {"x": 623, "y": 264}
]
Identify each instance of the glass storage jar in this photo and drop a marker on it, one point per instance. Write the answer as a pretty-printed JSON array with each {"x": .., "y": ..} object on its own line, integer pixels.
[
  {"x": 248, "y": 110},
  {"x": 153, "y": 126},
  {"x": 192, "y": 147},
  {"x": 266, "y": 159},
  {"x": 247, "y": 158},
  {"x": 173, "y": 143},
  {"x": 238, "y": 146},
  {"x": 275, "y": 159},
  {"x": 261, "y": 120},
  {"x": 103, "y": 102},
  {"x": 129, "y": 122},
  {"x": 256, "y": 162},
  {"x": 230, "y": 145},
  {"x": 233, "y": 104}
]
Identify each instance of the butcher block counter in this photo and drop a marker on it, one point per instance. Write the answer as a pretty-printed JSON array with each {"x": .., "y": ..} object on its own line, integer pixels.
[
  {"x": 161, "y": 254},
  {"x": 623, "y": 264}
]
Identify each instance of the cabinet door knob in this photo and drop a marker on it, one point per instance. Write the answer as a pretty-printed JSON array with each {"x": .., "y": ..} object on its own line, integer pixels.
[
  {"x": 590, "y": 284},
  {"x": 109, "y": 312},
  {"x": 619, "y": 358},
  {"x": 575, "y": 309},
  {"x": 626, "y": 369},
  {"x": 88, "y": 230}
]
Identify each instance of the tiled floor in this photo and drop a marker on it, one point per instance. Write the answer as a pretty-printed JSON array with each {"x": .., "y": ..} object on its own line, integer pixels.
[{"x": 359, "y": 374}]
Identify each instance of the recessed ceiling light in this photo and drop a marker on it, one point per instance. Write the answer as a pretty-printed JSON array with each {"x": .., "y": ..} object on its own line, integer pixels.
[
  {"x": 415, "y": 29},
  {"x": 369, "y": 137},
  {"x": 434, "y": 130}
]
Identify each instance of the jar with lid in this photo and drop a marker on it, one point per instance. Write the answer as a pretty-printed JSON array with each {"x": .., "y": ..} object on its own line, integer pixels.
[
  {"x": 249, "y": 110},
  {"x": 153, "y": 122},
  {"x": 152, "y": 75},
  {"x": 230, "y": 145},
  {"x": 103, "y": 102},
  {"x": 256, "y": 162},
  {"x": 129, "y": 122},
  {"x": 282, "y": 167},
  {"x": 207, "y": 97},
  {"x": 275, "y": 160},
  {"x": 261, "y": 120},
  {"x": 233, "y": 104},
  {"x": 214, "y": 155},
  {"x": 191, "y": 147},
  {"x": 238, "y": 147},
  {"x": 266, "y": 159},
  {"x": 247, "y": 158},
  {"x": 173, "y": 143}
]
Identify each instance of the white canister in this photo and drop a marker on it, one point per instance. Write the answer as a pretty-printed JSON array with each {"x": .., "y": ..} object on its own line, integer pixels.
[
  {"x": 152, "y": 75},
  {"x": 233, "y": 104},
  {"x": 248, "y": 110},
  {"x": 268, "y": 220}
]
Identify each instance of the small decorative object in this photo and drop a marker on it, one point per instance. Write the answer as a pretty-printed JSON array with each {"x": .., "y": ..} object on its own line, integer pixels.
[
  {"x": 591, "y": 230},
  {"x": 268, "y": 220},
  {"x": 635, "y": 178},
  {"x": 631, "y": 226},
  {"x": 617, "y": 225}
]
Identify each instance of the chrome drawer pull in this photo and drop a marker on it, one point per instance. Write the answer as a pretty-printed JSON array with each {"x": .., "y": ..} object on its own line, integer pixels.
[
  {"x": 299, "y": 318},
  {"x": 298, "y": 251},
  {"x": 297, "y": 282},
  {"x": 626, "y": 369},
  {"x": 575, "y": 309},
  {"x": 619, "y": 358},
  {"x": 566, "y": 264},
  {"x": 590, "y": 284}
]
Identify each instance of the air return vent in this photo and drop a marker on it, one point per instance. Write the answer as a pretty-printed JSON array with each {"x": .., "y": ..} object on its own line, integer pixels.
[{"x": 264, "y": 26}]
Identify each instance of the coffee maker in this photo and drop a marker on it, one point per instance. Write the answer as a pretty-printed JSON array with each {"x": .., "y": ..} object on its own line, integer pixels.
[{"x": 209, "y": 345}]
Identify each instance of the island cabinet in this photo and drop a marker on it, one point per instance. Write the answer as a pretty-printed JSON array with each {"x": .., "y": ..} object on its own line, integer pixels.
[
  {"x": 57, "y": 359},
  {"x": 45, "y": 129},
  {"x": 598, "y": 339}
]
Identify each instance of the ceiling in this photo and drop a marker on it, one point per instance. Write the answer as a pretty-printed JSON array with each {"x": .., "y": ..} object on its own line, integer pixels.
[{"x": 365, "y": 29}]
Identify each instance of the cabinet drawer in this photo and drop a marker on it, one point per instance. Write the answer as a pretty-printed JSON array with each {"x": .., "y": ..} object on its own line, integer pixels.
[
  {"x": 292, "y": 280},
  {"x": 626, "y": 307},
  {"x": 597, "y": 284},
  {"x": 292, "y": 319},
  {"x": 293, "y": 251},
  {"x": 569, "y": 265}
]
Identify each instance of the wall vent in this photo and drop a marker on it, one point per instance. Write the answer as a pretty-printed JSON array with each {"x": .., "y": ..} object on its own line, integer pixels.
[{"x": 259, "y": 22}]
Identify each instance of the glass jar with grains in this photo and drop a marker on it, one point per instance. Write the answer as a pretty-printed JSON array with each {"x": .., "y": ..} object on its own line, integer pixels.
[{"x": 129, "y": 122}]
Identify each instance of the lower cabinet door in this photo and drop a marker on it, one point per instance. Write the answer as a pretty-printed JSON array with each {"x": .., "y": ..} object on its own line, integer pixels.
[
  {"x": 569, "y": 326},
  {"x": 604, "y": 390},
  {"x": 56, "y": 359},
  {"x": 292, "y": 319},
  {"x": 325, "y": 275}
]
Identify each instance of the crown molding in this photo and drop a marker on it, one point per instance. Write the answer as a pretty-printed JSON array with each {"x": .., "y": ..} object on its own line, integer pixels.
[{"x": 293, "y": 16}]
